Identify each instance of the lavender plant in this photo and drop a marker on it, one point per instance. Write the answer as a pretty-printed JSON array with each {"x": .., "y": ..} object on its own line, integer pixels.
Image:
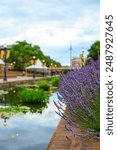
[{"x": 80, "y": 92}]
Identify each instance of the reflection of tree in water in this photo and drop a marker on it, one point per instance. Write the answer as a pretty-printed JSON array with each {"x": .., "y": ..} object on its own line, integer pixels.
[
  {"x": 37, "y": 108},
  {"x": 14, "y": 105}
]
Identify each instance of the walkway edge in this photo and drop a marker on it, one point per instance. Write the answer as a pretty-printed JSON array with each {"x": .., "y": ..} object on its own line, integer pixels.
[{"x": 60, "y": 142}]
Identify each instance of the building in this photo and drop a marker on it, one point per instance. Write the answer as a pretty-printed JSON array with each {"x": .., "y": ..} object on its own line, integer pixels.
[
  {"x": 2, "y": 57},
  {"x": 78, "y": 61},
  {"x": 75, "y": 62}
]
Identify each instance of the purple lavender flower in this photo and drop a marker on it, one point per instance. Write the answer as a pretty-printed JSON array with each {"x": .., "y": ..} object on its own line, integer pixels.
[{"x": 80, "y": 92}]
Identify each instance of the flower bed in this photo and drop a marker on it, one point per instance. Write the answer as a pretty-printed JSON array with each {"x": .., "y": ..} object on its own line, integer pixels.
[{"x": 80, "y": 92}]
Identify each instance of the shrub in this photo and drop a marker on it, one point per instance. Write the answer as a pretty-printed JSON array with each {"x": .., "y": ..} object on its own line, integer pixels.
[
  {"x": 80, "y": 92},
  {"x": 44, "y": 85},
  {"x": 33, "y": 96},
  {"x": 48, "y": 79},
  {"x": 55, "y": 81}
]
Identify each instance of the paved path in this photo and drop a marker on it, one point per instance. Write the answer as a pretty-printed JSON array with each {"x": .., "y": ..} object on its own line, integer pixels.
[
  {"x": 24, "y": 78},
  {"x": 60, "y": 142},
  {"x": 20, "y": 78}
]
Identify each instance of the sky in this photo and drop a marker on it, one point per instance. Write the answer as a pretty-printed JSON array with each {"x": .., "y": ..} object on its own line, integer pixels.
[{"x": 51, "y": 24}]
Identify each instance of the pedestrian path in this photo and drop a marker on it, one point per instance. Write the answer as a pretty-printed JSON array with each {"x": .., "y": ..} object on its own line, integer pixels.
[
  {"x": 60, "y": 142},
  {"x": 19, "y": 78}
]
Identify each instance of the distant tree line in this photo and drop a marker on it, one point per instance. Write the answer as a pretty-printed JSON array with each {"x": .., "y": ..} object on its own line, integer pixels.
[{"x": 23, "y": 52}]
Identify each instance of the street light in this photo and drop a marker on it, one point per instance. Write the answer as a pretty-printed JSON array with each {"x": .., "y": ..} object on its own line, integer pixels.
[
  {"x": 82, "y": 58},
  {"x": 5, "y": 53},
  {"x": 51, "y": 68},
  {"x": 43, "y": 61},
  {"x": 14, "y": 64},
  {"x": 83, "y": 61},
  {"x": 34, "y": 66},
  {"x": 55, "y": 68}
]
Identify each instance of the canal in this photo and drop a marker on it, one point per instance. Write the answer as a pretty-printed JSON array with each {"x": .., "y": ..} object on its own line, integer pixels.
[{"x": 27, "y": 127}]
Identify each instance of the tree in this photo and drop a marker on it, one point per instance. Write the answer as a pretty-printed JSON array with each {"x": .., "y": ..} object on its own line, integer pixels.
[
  {"x": 23, "y": 52},
  {"x": 94, "y": 50}
]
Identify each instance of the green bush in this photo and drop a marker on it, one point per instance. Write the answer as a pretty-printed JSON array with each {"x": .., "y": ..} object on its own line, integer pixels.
[
  {"x": 48, "y": 79},
  {"x": 55, "y": 81},
  {"x": 33, "y": 96},
  {"x": 44, "y": 85}
]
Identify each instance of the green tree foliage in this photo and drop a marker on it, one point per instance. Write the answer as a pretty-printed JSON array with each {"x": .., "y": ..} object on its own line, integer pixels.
[
  {"x": 94, "y": 50},
  {"x": 22, "y": 53}
]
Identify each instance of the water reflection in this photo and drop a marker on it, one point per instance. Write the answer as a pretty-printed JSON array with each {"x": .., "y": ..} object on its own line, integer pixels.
[
  {"x": 3, "y": 106},
  {"x": 11, "y": 98},
  {"x": 29, "y": 130}
]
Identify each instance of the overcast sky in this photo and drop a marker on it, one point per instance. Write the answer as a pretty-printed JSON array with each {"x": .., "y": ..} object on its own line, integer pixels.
[{"x": 51, "y": 24}]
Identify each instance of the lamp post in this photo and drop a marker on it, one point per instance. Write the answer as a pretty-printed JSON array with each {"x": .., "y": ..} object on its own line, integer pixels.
[
  {"x": 51, "y": 68},
  {"x": 83, "y": 63},
  {"x": 43, "y": 61},
  {"x": 14, "y": 64},
  {"x": 55, "y": 68},
  {"x": 82, "y": 58},
  {"x": 5, "y": 53},
  {"x": 34, "y": 66}
]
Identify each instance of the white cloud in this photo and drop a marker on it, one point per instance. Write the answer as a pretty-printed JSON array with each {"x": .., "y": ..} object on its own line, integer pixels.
[{"x": 50, "y": 24}]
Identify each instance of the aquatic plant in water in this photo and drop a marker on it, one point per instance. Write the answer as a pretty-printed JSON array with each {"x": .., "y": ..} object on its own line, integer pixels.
[
  {"x": 80, "y": 92},
  {"x": 44, "y": 85},
  {"x": 55, "y": 81},
  {"x": 33, "y": 96}
]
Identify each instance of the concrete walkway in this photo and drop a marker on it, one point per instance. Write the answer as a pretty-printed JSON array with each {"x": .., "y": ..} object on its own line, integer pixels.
[
  {"x": 19, "y": 78},
  {"x": 60, "y": 142},
  {"x": 24, "y": 78}
]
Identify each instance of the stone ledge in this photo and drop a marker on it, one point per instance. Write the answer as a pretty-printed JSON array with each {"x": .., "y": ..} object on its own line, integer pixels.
[{"x": 60, "y": 142}]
